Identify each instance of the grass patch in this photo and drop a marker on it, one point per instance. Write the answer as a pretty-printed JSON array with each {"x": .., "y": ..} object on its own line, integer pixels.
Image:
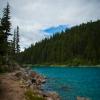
[{"x": 30, "y": 95}]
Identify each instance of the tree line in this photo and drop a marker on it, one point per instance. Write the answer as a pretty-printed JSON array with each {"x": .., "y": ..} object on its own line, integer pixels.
[
  {"x": 9, "y": 48},
  {"x": 78, "y": 45}
]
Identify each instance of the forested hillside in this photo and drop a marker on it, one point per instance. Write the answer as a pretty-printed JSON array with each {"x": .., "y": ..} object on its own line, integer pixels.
[{"x": 76, "y": 46}]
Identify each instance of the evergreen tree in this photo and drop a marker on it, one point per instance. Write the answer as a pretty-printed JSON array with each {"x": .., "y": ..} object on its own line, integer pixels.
[
  {"x": 5, "y": 26},
  {"x": 17, "y": 40},
  {"x": 1, "y": 43},
  {"x": 14, "y": 43},
  {"x": 5, "y": 22}
]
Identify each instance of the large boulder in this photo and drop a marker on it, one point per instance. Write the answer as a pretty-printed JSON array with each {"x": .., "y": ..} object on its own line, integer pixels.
[
  {"x": 18, "y": 74},
  {"x": 39, "y": 79},
  {"x": 51, "y": 96}
]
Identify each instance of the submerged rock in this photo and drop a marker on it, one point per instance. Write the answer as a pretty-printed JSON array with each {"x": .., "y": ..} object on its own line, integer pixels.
[
  {"x": 65, "y": 88},
  {"x": 82, "y": 98}
]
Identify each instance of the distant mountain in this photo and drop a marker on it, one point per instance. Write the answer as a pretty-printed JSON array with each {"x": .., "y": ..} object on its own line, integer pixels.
[{"x": 55, "y": 29}]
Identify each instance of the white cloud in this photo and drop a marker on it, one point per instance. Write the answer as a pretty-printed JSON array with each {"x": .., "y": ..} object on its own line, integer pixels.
[{"x": 35, "y": 15}]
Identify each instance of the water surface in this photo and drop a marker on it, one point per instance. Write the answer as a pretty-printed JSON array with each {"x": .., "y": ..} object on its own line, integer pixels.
[{"x": 72, "y": 82}]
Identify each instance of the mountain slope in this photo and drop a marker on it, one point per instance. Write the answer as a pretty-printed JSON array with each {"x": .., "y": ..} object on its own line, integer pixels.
[{"x": 78, "y": 45}]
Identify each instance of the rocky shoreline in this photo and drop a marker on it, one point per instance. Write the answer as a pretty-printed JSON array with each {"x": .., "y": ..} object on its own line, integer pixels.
[
  {"x": 30, "y": 80},
  {"x": 24, "y": 84}
]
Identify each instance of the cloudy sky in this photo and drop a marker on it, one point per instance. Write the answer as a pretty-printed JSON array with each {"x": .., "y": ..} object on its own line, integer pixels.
[{"x": 33, "y": 16}]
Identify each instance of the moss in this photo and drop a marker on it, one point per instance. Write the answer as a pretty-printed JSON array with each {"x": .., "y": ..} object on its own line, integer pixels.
[{"x": 30, "y": 95}]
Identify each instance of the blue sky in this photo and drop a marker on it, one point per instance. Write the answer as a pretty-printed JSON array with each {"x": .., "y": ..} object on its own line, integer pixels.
[
  {"x": 32, "y": 16},
  {"x": 52, "y": 30}
]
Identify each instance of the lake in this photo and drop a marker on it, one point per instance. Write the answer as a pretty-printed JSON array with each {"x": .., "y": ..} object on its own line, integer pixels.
[{"x": 72, "y": 82}]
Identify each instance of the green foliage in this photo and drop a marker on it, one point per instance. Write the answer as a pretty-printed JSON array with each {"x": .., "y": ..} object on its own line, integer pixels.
[
  {"x": 76, "y": 46},
  {"x": 5, "y": 32},
  {"x": 30, "y": 95}
]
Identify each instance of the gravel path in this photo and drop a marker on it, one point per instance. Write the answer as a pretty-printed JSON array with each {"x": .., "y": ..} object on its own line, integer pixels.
[{"x": 10, "y": 88}]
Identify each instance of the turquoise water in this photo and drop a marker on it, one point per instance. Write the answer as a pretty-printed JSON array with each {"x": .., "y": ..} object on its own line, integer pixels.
[{"x": 72, "y": 82}]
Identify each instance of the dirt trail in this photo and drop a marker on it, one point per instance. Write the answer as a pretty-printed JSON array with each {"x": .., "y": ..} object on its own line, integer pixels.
[{"x": 10, "y": 88}]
